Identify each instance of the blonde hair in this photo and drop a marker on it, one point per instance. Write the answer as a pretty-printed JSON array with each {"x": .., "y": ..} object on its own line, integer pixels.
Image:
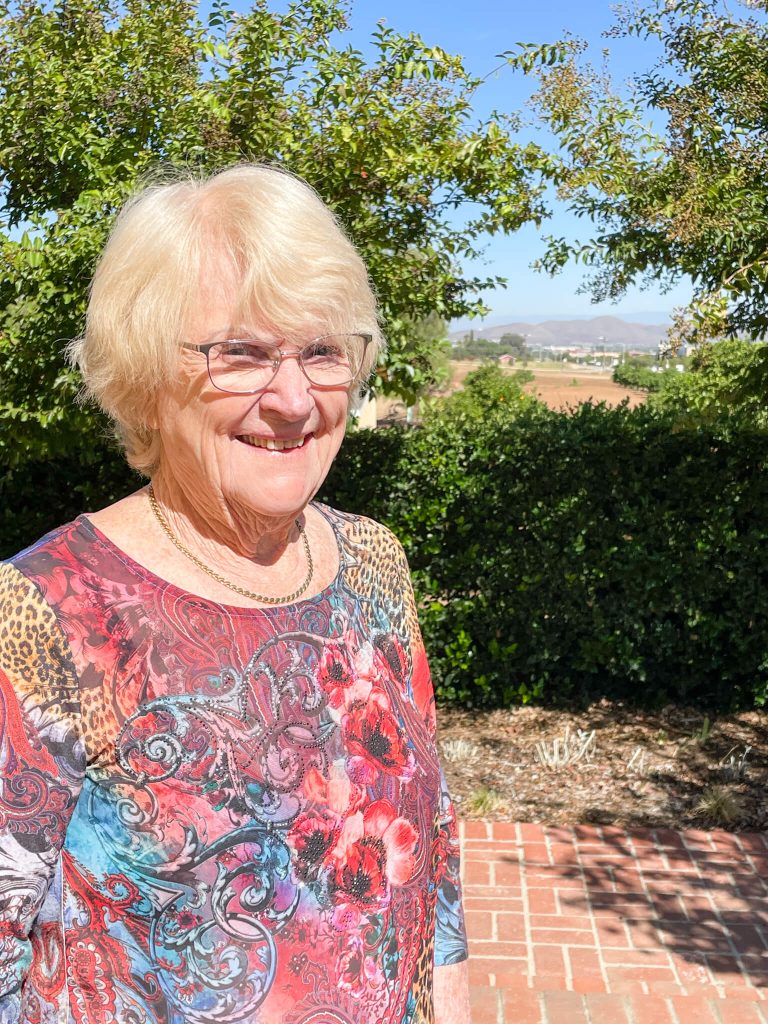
[{"x": 297, "y": 271}]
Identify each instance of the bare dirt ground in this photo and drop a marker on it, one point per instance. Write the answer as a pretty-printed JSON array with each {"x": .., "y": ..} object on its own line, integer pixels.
[
  {"x": 564, "y": 385},
  {"x": 675, "y": 768},
  {"x": 561, "y": 387}
]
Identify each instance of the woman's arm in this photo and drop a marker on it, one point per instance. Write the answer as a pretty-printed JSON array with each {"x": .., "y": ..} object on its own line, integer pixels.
[
  {"x": 42, "y": 764},
  {"x": 451, "y": 994}
]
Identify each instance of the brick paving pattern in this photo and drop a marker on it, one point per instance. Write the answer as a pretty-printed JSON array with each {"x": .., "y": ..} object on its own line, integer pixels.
[{"x": 594, "y": 925}]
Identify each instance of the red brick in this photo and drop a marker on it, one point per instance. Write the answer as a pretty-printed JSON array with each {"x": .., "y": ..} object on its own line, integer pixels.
[
  {"x": 505, "y": 830},
  {"x": 612, "y": 933},
  {"x": 480, "y": 967},
  {"x": 557, "y": 877},
  {"x": 746, "y": 939},
  {"x": 584, "y": 962},
  {"x": 542, "y": 901},
  {"x": 535, "y": 853},
  {"x": 477, "y": 873},
  {"x": 692, "y": 972},
  {"x": 530, "y": 831},
  {"x": 587, "y": 833},
  {"x": 479, "y": 924},
  {"x": 475, "y": 829},
  {"x": 506, "y": 872},
  {"x": 478, "y": 973},
  {"x": 651, "y": 1009},
  {"x": 485, "y": 1003},
  {"x": 753, "y": 842},
  {"x": 607, "y": 1009},
  {"x": 481, "y": 948},
  {"x": 652, "y": 975},
  {"x": 483, "y": 900},
  {"x": 562, "y": 922},
  {"x": 642, "y": 934},
  {"x": 564, "y": 1008},
  {"x": 695, "y": 1008},
  {"x": 695, "y": 837},
  {"x": 619, "y": 985},
  {"x": 522, "y": 1006},
  {"x": 549, "y": 960},
  {"x": 562, "y": 854},
  {"x": 733, "y": 1012},
  {"x": 651, "y": 862},
  {"x": 743, "y": 994},
  {"x": 640, "y": 957},
  {"x": 510, "y": 927},
  {"x": 664, "y": 988},
  {"x": 550, "y": 936},
  {"x": 627, "y": 880},
  {"x": 587, "y": 983}
]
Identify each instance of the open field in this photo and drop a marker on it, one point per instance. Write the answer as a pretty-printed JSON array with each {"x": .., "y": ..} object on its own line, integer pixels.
[
  {"x": 560, "y": 387},
  {"x": 564, "y": 385}
]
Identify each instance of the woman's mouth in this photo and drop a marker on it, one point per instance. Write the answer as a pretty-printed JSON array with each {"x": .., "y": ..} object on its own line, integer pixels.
[{"x": 274, "y": 444}]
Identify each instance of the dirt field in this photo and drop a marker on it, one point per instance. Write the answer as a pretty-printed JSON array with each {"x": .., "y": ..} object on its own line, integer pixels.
[
  {"x": 564, "y": 385},
  {"x": 559, "y": 387}
]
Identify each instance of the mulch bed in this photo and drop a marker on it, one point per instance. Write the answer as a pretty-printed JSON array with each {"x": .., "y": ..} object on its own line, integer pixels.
[{"x": 675, "y": 768}]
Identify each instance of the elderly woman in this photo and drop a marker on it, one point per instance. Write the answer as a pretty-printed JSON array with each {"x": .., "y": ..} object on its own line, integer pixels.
[{"x": 220, "y": 797}]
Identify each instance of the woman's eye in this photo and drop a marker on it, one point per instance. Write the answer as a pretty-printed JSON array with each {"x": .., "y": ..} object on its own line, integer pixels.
[
  {"x": 323, "y": 351},
  {"x": 245, "y": 352}
]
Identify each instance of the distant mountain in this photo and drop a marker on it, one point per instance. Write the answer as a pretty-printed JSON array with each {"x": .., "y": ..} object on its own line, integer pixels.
[{"x": 600, "y": 330}]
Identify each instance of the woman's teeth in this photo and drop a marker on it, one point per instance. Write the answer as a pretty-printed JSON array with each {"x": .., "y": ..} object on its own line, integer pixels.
[{"x": 273, "y": 444}]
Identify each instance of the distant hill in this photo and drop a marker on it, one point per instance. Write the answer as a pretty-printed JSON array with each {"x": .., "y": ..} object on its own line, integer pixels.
[{"x": 600, "y": 330}]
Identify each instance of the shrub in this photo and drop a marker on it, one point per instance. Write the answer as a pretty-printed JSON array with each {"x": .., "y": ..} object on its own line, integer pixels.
[
  {"x": 566, "y": 558},
  {"x": 633, "y": 374}
]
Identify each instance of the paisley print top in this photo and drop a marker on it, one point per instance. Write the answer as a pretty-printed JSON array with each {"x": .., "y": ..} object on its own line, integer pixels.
[{"x": 217, "y": 814}]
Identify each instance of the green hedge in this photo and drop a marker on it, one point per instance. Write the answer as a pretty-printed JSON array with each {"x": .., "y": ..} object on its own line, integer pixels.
[
  {"x": 37, "y": 496},
  {"x": 555, "y": 557},
  {"x": 567, "y": 558}
]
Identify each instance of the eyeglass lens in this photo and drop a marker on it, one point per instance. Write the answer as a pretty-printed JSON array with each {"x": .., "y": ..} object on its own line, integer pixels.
[{"x": 241, "y": 367}]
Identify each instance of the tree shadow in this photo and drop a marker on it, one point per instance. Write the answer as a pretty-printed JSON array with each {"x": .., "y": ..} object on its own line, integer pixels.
[{"x": 701, "y": 898}]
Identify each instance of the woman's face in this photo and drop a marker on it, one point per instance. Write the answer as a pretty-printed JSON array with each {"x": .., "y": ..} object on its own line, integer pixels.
[{"x": 214, "y": 444}]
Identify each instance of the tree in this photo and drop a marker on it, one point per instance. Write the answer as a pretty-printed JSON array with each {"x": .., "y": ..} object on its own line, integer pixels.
[
  {"x": 691, "y": 200},
  {"x": 723, "y": 384},
  {"x": 514, "y": 344},
  {"x": 93, "y": 96}
]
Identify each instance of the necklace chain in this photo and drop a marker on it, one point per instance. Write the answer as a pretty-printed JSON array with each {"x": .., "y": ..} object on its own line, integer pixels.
[{"x": 261, "y": 598}]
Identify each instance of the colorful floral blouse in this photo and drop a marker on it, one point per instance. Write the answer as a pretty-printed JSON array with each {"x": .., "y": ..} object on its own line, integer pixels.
[{"x": 211, "y": 813}]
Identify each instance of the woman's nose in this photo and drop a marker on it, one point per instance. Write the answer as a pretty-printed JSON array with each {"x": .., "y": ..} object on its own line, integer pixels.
[{"x": 289, "y": 391}]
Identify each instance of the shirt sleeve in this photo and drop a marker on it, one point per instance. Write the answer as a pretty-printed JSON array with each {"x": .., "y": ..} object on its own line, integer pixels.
[
  {"x": 42, "y": 765},
  {"x": 450, "y": 931}
]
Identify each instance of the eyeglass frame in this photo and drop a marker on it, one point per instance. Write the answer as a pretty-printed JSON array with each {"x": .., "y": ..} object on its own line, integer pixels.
[{"x": 277, "y": 362}]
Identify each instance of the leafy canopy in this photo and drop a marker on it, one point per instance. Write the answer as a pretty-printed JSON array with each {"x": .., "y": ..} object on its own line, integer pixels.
[
  {"x": 93, "y": 96},
  {"x": 691, "y": 199},
  {"x": 725, "y": 384}
]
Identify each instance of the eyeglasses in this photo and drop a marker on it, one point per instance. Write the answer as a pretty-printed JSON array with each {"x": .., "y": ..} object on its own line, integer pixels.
[{"x": 241, "y": 367}]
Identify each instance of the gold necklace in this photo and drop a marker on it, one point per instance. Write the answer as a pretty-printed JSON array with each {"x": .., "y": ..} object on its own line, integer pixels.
[{"x": 261, "y": 598}]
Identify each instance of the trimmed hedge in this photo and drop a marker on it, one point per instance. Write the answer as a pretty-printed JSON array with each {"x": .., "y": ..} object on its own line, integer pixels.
[
  {"x": 568, "y": 558},
  {"x": 37, "y": 496},
  {"x": 556, "y": 558}
]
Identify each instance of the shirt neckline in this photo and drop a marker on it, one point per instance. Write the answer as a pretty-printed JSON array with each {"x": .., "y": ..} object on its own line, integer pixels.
[{"x": 152, "y": 578}]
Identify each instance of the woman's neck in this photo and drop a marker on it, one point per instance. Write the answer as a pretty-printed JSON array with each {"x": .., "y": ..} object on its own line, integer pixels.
[{"x": 213, "y": 527}]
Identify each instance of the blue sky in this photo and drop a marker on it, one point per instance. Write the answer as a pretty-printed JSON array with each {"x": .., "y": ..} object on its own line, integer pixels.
[{"x": 479, "y": 29}]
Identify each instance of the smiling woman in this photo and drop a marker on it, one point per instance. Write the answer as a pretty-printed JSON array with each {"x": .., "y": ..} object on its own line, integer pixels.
[{"x": 221, "y": 792}]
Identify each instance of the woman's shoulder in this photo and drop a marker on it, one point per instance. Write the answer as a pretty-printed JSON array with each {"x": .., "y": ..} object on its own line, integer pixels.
[
  {"x": 41, "y": 551},
  {"x": 361, "y": 529}
]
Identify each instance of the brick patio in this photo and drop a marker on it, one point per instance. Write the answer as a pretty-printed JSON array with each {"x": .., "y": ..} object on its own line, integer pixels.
[{"x": 601, "y": 926}]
